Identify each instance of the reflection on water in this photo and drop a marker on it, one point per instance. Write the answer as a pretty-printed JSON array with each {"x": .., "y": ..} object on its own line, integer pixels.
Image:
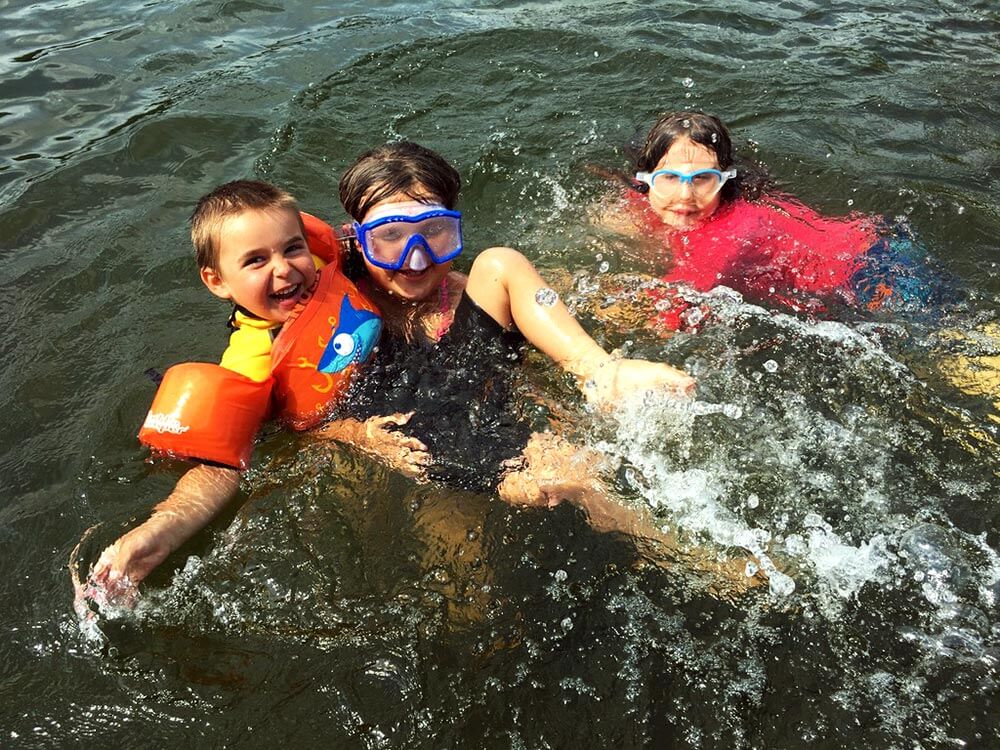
[{"x": 340, "y": 605}]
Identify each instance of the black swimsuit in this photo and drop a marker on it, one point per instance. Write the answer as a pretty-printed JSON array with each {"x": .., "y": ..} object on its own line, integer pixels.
[{"x": 460, "y": 389}]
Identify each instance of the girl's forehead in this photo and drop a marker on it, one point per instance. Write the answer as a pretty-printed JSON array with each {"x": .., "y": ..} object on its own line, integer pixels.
[
  {"x": 404, "y": 207},
  {"x": 686, "y": 151},
  {"x": 418, "y": 196}
]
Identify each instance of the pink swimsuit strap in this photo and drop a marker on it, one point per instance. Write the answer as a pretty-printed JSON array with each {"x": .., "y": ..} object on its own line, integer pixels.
[{"x": 444, "y": 308}]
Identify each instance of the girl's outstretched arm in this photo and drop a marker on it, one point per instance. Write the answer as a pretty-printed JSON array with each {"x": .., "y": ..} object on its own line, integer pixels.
[{"x": 506, "y": 285}]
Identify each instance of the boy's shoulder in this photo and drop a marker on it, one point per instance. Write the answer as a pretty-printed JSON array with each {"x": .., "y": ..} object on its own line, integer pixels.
[{"x": 249, "y": 350}]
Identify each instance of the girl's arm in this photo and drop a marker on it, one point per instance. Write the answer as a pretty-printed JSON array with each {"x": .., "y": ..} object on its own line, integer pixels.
[
  {"x": 506, "y": 285},
  {"x": 376, "y": 437}
]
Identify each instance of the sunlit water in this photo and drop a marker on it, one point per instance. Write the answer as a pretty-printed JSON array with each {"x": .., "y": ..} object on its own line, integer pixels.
[{"x": 339, "y": 605}]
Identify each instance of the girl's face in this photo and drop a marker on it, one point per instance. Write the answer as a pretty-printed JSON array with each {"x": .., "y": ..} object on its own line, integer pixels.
[
  {"x": 406, "y": 283},
  {"x": 683, "y": 209}
]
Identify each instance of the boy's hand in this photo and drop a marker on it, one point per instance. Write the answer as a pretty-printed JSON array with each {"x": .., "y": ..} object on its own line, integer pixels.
[
  {"x": 115, "y": 576},
  {"x": 402, "y": 452},
  {"x": 617, "y": 378}
]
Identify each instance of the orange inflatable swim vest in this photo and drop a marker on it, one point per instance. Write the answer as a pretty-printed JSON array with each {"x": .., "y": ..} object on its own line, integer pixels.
[{"x": 207, "y": 412}]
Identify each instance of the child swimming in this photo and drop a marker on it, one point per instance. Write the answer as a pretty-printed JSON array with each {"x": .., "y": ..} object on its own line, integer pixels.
[
  {"x": 719, "y": 224},
  {"x": 300, "y": 329},
  {"x": 443, "y": 370},
  {"x": 443, "y": 373}
]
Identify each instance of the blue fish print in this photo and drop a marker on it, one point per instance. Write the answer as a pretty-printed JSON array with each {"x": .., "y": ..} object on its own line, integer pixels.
[{"x": 353, "y": 339}]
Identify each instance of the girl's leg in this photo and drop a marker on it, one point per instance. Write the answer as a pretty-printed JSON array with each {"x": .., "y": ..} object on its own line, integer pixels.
[{"x": 553, "y": 470}]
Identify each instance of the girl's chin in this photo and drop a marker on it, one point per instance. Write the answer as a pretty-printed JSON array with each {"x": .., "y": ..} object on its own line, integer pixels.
[{"x": 682, "y": 219}]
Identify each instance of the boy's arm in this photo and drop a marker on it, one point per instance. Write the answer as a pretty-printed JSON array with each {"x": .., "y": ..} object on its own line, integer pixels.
[{"x": 198, "y": 497}]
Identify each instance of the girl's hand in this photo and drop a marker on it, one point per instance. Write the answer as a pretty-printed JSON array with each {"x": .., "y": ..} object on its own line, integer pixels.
[
  {"x": 617, "y": 378},
  {"x": 375, "y": 436}
]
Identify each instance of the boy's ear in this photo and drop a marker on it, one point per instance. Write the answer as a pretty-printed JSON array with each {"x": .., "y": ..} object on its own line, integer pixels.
[{"x": 213, "y": 280}]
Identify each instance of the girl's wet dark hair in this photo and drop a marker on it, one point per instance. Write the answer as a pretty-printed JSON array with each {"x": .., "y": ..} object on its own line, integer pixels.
[
  {"x": 402, "y": 167},
  {"x": 710, "y": 132},
  {"x": 707, "y": 130}
]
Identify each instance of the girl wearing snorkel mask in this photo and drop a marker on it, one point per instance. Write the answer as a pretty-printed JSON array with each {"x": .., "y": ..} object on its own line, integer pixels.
[
  {"x": 444, "y": 368},
  {"x": 718, "y": 224},
  {"x": 439, "y": 391}
]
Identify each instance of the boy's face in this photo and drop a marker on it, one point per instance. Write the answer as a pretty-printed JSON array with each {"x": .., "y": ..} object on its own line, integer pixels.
[{"x": 264, "y": 263}]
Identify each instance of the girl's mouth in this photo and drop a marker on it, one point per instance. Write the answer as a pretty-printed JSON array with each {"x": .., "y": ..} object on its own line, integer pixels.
[{"x": 411, "y": 275}]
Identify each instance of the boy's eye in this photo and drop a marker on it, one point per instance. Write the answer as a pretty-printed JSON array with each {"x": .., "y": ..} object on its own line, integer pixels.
[
  {"x": 253, "y": 260},
  {"x": 295, "y": 248}
]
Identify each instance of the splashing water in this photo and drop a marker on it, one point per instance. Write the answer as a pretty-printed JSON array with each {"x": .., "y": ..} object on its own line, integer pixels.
[{"x": 825, "y": 466}]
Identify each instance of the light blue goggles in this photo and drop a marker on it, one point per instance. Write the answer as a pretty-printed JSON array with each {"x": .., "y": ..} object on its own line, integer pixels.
[
  {"x": 704, "y": 183},
  {"x": 389, "y": 241}
]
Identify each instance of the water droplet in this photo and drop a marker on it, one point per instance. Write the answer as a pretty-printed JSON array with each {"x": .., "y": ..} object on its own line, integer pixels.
[
  {"x": 771, "y": 366},
  {"x": 692, "y": 316},
  {"x": 560, "y": 575},
  {"x": 732, "y": 411},
  {"x": 751, "y": 569},
  {"x": 686, "y": 124},
  {"x": 753, "y": 501},
  {"x": 687, "y": 83},
  {"x": 604, "y": 267},
  {"x": 780, "y": 584},
  {"x": 566, "y": 624},
  {"x": 546, "y": 297},
  {"x": 850, "y": 201},
  {"x": 813, "y": 521}
]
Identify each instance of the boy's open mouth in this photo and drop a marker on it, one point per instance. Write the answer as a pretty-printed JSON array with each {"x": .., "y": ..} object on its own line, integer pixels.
[{"x": 287, "y": 293}]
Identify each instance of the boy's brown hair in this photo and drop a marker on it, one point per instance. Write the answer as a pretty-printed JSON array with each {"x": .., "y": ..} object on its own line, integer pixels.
[{"x": 226, "y": 201}]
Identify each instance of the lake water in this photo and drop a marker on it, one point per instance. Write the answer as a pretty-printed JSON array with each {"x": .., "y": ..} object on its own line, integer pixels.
[{"x": 338, "y": 605}]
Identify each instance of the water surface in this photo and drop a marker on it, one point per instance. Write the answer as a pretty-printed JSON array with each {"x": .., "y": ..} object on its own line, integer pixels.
[{"x": 337, "y": 604}]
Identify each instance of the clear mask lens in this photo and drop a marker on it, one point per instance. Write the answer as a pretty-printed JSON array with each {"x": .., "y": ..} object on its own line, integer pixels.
[
  {"x": 703, "y": 184},
  {"x": 389, "y": 241}
]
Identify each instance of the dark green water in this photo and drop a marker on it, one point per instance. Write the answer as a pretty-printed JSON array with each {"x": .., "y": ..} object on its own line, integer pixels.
[{"x": 340, "y": 606}]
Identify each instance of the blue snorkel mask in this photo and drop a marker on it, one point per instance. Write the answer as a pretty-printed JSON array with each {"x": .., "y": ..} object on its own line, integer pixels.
[{"x": 410, "y": 235}]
